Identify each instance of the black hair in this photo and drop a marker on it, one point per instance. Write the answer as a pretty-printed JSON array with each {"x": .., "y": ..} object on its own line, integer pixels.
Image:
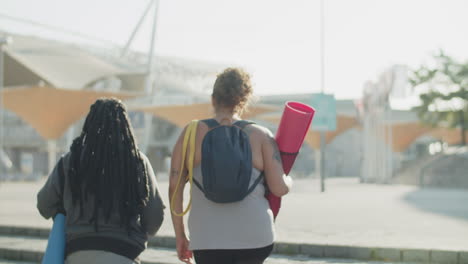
[{"x": 106, "y": 165}]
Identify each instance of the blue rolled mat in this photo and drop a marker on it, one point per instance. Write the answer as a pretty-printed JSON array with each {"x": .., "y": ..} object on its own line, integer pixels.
[{"x": 55, "y": 252}]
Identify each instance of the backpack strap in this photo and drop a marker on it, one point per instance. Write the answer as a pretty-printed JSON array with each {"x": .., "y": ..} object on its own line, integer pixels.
[
  {"x": 198, "y": 185},
  {"x": 256, "y": 182},
  {"x": 211, "y": 123},
  {"x": 243, "y": 123}
]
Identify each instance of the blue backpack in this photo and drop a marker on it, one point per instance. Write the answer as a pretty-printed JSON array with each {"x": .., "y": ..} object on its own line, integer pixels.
[{"x": 226, "y": 162}]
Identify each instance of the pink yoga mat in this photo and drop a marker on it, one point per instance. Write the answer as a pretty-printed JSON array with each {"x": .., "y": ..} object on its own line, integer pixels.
[{"x": 292, "y": 130}]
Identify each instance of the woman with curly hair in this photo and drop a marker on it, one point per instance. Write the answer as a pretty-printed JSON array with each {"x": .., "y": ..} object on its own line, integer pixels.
[{"x": 234, "y": 228}]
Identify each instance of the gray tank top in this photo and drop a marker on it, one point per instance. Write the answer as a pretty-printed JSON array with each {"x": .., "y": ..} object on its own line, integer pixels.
[{"x": 241, "y": 225}]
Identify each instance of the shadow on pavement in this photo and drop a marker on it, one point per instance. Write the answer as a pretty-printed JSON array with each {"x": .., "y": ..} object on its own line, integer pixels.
[{"x": 447, "y": 202}]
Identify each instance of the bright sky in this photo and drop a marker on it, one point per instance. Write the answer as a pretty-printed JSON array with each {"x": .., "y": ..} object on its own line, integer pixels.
[{"x": 277, "y": 41}]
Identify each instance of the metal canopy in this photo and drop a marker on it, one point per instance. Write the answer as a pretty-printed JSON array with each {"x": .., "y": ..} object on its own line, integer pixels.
[
  {"x": 180, "y": 115},
  {"x": 51, "y": 111}
]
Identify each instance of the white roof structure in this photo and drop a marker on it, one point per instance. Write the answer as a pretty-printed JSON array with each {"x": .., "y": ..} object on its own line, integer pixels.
[{"x": 30, "y": 60}]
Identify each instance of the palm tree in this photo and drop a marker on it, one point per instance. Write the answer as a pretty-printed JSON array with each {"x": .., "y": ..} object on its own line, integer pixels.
[{"x": 444, "y": 94}]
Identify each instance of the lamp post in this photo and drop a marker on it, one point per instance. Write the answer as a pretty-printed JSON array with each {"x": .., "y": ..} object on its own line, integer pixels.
[
  {"x": 150, "y": 77},
  {"x": 323, "y": 141}
]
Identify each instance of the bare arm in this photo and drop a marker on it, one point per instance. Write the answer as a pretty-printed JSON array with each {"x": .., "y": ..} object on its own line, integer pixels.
[
  {"x": 176, "y": 161},
  {"x": 182, "y": 242},
  {"x": 278, "y": 183}
]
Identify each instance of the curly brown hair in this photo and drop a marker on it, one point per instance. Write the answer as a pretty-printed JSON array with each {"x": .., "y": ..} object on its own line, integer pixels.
[{"x": 233, "y": 89}]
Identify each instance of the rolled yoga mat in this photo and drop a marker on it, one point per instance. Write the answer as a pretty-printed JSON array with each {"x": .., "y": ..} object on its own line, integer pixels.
[
  {"x": 292, "y": 130},
  {"x": 55, "y": 252}
]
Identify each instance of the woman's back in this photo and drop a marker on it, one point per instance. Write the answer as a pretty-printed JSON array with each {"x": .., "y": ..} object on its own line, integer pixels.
[
  {"x": 244, "y": 222},
  {"x": 79, "y": 216},
  {"x": 265, "y": 154},
  {"x": 106, "y": 187},
  {"x": 239, "y": 225},
  {"x": 256, "y": 136}
]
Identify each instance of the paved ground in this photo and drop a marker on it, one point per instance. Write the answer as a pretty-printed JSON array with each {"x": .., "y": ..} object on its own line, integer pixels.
[
  {"x": 267, "y": 262},
  {"x": 348, "y": 213},
  {"x": 161, "y": 255}
]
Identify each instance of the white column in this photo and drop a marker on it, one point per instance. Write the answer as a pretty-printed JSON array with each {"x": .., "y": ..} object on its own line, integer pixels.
[
  {"x": 3, "y": 41},
  {"x": 52, "y": 151},
  {"x": 365, "y": 149},
  {"x": 390, "y": 144}
]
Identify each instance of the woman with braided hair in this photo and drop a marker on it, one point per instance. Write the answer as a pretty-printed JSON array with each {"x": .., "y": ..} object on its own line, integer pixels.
[{"x": 107, "y": 189}]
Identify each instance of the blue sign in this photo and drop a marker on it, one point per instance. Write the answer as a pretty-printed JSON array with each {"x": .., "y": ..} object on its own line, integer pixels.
[{"x": 325, "y": 112}]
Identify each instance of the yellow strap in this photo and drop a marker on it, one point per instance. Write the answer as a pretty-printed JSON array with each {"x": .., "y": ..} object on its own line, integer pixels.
[{"x": 189, "y": 138}]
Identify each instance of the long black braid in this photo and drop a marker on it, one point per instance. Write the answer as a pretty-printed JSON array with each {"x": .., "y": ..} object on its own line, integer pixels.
[{"x": 106, "y": 165}]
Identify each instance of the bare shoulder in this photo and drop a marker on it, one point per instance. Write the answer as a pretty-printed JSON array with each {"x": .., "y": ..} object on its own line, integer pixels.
[
  {"x": 202, "y": 126},
  {"x": 258, "y": 131}
]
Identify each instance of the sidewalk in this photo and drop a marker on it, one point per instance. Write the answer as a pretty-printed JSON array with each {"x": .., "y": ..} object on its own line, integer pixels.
[{"x": 31, "y": 249}]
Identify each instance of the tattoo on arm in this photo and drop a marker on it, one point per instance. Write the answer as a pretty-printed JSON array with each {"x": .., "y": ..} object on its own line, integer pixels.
[
  {"x": 174, "y": 173},
  {"x": 276, "y": 152}
]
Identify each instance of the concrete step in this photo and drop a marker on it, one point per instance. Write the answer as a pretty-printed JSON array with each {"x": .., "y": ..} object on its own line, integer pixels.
[
  {"x": 4, "y": 261},
  {"x": 22, "y": 248},
  {"x": 26, "y": 250}
]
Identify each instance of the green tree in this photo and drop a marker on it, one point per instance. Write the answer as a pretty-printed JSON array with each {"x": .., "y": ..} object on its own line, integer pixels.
[{"x": 444, "y": 93}]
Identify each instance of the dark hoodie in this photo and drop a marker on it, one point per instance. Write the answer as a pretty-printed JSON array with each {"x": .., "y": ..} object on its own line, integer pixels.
[{"x": 112, "y": 235}]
